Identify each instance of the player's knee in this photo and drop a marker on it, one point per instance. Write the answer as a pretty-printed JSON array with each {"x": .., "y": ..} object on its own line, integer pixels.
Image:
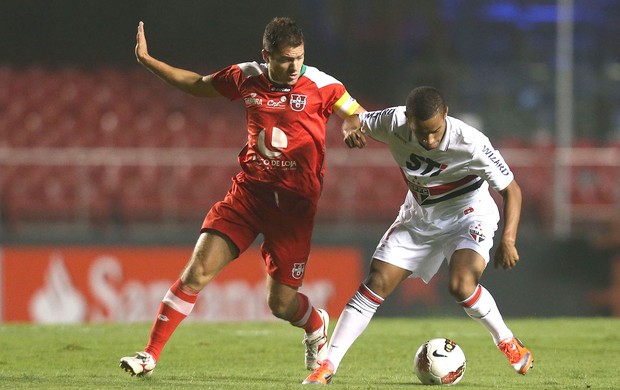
[
  {"x": 196, "y": 275},
  {"x": 195, "y": 279},
  {"x": 378, "y": 284},
  {"x": 461, "y": 288},
  {"x": 278, "y": 307}
]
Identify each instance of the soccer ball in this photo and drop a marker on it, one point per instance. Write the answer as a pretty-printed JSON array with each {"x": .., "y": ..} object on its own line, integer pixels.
[{"x": 439, "y": 362}]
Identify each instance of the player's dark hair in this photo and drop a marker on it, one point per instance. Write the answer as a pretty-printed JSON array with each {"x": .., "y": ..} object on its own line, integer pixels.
[
  {"x": 280, "y": 32},
  {"x": 424, "y": 103}
]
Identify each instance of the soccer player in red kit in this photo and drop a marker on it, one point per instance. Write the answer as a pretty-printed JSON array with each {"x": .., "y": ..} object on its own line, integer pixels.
[{"x": 275, "y": 193}]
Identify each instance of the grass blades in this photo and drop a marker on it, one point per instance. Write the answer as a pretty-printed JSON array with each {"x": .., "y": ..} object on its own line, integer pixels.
[{"x": 569, "y": 353}]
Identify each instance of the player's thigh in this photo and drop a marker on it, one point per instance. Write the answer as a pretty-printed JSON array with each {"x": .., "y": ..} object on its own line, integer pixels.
[
  {"x": 383, "y": 277},
  {"x": 237, "y": 216},
  {"x": 465, "y": 270},
  {"x": 467, "y": 249},
  {"x": 403, "y": 248},
  {"x": 474, "y": 232},
  {"x": 287, "y": 241}
]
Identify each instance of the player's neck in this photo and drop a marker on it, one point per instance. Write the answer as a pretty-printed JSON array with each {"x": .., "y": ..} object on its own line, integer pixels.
[{"x": 283, "y": 85}]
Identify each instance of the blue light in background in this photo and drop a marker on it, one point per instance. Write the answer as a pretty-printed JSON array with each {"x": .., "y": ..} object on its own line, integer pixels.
[{"x": 525, "y": 16}]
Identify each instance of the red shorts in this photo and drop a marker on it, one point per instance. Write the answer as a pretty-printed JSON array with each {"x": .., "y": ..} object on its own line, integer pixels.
[{"x": 285, "y": 220}]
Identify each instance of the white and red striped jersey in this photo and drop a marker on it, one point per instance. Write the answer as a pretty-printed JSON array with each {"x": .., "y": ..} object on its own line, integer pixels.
[
  {"x": 285, "y": 123},
  {"x": 454, "y": 176}
]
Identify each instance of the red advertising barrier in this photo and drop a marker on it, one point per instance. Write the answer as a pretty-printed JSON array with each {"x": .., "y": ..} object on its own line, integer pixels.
[{"x": 127, "y": 284}]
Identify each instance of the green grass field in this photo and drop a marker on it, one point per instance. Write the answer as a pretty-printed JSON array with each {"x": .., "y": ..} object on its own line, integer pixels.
[{"x": 579, "y": 353}]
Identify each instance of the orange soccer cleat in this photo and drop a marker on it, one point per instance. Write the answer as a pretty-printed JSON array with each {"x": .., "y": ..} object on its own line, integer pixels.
[{"x": 519, "y": 357}]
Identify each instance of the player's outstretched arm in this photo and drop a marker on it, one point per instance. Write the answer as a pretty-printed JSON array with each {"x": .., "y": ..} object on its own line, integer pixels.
[
  {"x": 185, "y": 80},
  {"x": 506, "y": 254}
]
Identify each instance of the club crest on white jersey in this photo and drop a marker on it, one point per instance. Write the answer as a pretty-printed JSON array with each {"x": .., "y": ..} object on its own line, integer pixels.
[{"x": 475, "y": 231}]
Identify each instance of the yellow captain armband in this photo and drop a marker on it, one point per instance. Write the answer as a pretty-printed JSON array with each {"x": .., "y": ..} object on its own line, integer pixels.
[{"x": 346, "y": 104}]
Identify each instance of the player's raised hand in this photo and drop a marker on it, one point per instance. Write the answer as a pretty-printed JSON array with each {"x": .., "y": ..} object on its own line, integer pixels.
[
  {"x": 141, "y": 48},
  {"x": 353, "y": 132}
]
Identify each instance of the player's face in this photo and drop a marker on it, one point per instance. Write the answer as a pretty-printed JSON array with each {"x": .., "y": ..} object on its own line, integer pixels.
[
  {"x": 430, "y": 132},
  {"x": 285, "y": 64}
]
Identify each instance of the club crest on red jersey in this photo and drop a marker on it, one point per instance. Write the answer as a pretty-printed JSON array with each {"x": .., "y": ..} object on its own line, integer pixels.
[
  {"x": 298, "y": 270},
  {"x": 298, "y": 102}
]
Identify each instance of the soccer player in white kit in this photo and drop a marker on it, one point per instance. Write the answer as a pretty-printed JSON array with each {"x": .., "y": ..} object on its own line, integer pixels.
[{"x": 448, "y": 213}]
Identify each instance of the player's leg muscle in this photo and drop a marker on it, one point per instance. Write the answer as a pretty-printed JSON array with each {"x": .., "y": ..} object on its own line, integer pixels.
[
  {"x": 383, "y": 277},
  {"x": 281, "y": 299},
  {"x": 213, "y": 251},
  {"x": 466, "y": 268}
]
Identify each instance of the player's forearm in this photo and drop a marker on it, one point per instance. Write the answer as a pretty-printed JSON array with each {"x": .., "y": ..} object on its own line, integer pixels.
[
  {"x": 512, "y": 212},
  {"x": 185, "y": 80}
]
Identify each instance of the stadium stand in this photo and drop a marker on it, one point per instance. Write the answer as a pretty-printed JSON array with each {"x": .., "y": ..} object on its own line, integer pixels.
[{"x": 100, "y": 112}]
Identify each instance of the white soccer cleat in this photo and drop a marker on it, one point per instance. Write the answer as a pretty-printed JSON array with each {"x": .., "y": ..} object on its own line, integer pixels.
[
  {"x": 142, "y": 364},
  {"x": 316, "y": 343}
]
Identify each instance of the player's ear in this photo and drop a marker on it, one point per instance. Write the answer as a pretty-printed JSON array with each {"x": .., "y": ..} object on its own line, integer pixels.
[
  {"x": 265, "y": 54},
  {"x": 445, "y": 114}
]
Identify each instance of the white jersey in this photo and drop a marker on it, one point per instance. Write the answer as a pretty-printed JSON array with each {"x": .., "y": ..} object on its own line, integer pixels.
[
  {"x": 448, "y": 206},
  {"x": 447, "y": 180}
]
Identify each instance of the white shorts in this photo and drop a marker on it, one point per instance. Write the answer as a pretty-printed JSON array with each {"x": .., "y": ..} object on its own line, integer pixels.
[{"x": 413, "y": 245}]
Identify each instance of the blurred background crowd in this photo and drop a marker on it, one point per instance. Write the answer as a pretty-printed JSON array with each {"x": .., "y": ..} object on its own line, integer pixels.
[{"x": 94, "y": 149}]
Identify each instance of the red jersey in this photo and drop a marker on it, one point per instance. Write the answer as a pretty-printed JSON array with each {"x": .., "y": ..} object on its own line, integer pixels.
[{"x": 286, "y": 124}]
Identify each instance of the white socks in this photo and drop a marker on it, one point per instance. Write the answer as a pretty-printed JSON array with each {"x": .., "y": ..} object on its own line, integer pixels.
[
  {"x": 482, "y": 307},
  {"x": 364, "y": 304},
  {"x": 352, "y": 322}
]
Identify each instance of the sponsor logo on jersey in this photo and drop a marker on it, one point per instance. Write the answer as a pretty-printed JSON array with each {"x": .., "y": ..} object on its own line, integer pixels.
[
  {"x": 377, "y": 114},
  {"x": 298, "y": 102},
  {"x": 270, "y": 148},
  {"x": 280, "y": 89},
  {"x": 278, "y": 141},
  {"x": 252, "y": 100},
  {"x": 298, "y": 270},
  {"x": 427, "y": 166},
  {"x": 497, "y": 160},
  {"x": 277, "y": 103}
]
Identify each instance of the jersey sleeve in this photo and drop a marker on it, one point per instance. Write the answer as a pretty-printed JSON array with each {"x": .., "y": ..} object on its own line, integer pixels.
[
  {"x": 379, "y": 124},
  {"x": 346, "y": 104},
  {"x": 490, "y": 165},
  {"x": 333, "y": 92},
  {"x": 228, "y": 80}
]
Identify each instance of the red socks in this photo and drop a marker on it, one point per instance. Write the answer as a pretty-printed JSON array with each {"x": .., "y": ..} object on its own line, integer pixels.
[
  {"x": 176, "y": 305},
  {"x": 179, "y": 302},
  {"x": 306, "y": 316}
]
